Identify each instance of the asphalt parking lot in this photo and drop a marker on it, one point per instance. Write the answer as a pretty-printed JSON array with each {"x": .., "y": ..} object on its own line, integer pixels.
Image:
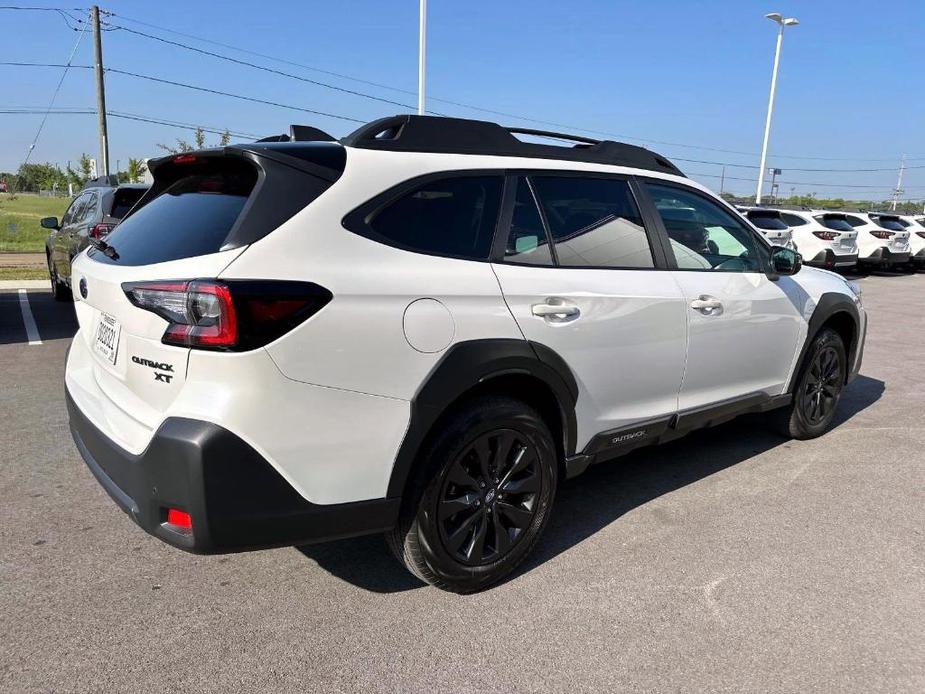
[{"x": 732, "y": 560}]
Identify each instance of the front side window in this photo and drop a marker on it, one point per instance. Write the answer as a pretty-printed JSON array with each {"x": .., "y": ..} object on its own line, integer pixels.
[
  {"x": 71, "y": 214},
  {"x": 593, "y": 222},
  {"x": 703, "y": 235},
  {"x": 451, "y": 217}
]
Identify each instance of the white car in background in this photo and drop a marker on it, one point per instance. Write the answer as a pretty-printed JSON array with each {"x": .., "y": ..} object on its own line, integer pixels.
[
  {"x": 916, "y": 226},
  {"x": 882, "y": 240},
  {"x": 770, "y": 224},
  {"x": 824, "y": 239}
]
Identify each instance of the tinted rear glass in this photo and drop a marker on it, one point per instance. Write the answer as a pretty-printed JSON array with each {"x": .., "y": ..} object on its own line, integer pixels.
[
  {"x": 454, "y": 217},
  {"x": 855, "y": 221},
  {"x": 191, "y": 217},
  {"x": 835, "y": 223},
  {"x": 123, "y": 200},
  {"x": 891, "y": 224},
  {"x": 764, "y": 221},
  {"x": 793, "y": 220}
]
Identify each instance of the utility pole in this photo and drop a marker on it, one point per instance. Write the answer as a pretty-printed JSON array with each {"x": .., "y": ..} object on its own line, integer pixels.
[
  {"x": 898, "y": 191},
  {"x": 422, "y": 51},
  {"x": 100, "y": 90},
  {"x": 722, "y": 180}
]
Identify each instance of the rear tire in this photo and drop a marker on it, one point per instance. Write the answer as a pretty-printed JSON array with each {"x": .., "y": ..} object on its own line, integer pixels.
[
  {"x": 481, "y": 498},
  {"x": 59, "y": 290},
  {"x": 819, "y": 386}
]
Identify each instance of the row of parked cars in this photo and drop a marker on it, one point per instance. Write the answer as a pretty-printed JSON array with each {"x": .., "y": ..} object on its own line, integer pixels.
[{"x": 835, "y": 239}]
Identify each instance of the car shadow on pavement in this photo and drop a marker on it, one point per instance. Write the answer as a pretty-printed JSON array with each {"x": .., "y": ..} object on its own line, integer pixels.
[{"x": 597, "y": 498}]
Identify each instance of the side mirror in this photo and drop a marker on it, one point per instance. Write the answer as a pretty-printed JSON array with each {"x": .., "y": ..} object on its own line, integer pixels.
[
  {"x": 50, "y": 223},
  {"x": 785, "y": 261}
]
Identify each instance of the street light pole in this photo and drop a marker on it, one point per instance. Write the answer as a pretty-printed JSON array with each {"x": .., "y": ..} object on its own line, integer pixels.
[
  {"x": 781, "y": 22},
  {"x": 422, "y": 51}
]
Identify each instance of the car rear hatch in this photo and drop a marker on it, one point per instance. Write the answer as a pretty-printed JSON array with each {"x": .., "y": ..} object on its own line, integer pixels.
[
  {"x": 839, "y": 232},
  {"x": 769, "y": 222},
  {"x": 202, "y": 211}
]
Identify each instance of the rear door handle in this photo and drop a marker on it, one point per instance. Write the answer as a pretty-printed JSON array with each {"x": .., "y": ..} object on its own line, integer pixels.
[
  {"x": 707, "y": 305},
  {"x": 556, "y": 310}
]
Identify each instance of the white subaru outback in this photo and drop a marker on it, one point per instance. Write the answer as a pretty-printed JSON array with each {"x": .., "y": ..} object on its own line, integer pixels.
[{"x": 421, "y": 330}]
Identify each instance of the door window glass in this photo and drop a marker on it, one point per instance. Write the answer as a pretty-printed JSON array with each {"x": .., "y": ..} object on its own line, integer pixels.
[
  {"x": 703, "y": 235},
  {"x": 527, "y": 242},
  {"x": 593, "y": 222}
]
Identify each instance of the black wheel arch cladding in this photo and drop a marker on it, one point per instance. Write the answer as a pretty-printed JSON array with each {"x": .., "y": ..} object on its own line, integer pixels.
[
  {"x": 831, "y": 305},
  {"x": 465, "y": 367}
]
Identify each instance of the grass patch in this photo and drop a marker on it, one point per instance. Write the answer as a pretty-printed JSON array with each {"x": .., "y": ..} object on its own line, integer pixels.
[
  {"x": 19, "y": 221},
  {"x": 23, "y": 273}
]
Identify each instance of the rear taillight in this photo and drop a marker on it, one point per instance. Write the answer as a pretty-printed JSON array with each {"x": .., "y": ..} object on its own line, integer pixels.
[
  {"x": 882, "y": 234},
  {"x": 826, "y": 235},
  {"x": 236, "y": 315},
  {"x": 101, "y": 230}
]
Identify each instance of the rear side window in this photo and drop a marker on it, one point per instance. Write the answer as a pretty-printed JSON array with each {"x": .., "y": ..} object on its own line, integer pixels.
[
  {"x": 793, "y": 220},
  {"x": 593, "y": 222},
  {"x": 453, "y": 217},
  {"x": 123, "y": 200},
  {"x": 191, "y": 217},
  {"x": 765, "y": 221}
]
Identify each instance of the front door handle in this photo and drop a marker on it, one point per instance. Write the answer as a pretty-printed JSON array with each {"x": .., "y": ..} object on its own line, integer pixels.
[
  {"x": 707, "y": 305},
  {"x": 556, "y": 310}
]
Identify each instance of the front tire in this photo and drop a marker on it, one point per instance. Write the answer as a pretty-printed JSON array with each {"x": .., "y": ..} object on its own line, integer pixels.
[
  {"x": 482, "y": 497},
  {"x": 819, "y": 387}
]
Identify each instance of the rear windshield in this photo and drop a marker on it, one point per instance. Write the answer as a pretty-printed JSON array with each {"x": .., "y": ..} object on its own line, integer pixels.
[
  {"x": 891, "y": 224},
  {"x": 191, "y": 217},
  {"x": 855, "y": 221},
  {"x": 835, "y": 223},
  {"x": 767, "y": 221},
  {"x": 123, "y": 199}
]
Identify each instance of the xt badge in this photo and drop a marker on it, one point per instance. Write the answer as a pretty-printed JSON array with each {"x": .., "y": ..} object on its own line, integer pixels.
[{"x": 158, "y": 366}]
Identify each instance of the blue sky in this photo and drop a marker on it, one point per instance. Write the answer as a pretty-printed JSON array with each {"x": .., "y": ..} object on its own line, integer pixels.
[{"x": 671, "y": 71}]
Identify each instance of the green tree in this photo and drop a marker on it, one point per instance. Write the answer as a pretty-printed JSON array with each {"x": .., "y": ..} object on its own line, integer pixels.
[
  {"x": 135, "y": 170},
  {"x": 199, "y": 142}
]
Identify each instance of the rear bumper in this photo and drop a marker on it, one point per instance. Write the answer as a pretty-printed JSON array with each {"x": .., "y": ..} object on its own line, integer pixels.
[
  {"x": 236, "y": 499},
  {"x": 829, "y": 259},
  {"x": 884, "y": 256}
]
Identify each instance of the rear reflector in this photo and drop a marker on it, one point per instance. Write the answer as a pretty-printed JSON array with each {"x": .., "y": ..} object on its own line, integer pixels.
[
  {"x": 235, "y": 315},
  {"x": 181, "y": 519}
]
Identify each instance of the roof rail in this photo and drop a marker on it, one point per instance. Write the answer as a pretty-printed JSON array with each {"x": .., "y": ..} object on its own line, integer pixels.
[{"x": 408, "y": 133}]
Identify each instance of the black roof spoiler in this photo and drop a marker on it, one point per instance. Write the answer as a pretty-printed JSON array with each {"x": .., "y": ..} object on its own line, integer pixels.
[
  {"x": 409, "y": 133},
  {"x": 301, "y": 133}
]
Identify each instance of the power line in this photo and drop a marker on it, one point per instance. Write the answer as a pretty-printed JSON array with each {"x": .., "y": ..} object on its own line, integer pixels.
[
  {"x": 470, "y": 106},
  {"x": 161, "y": 80},
  {"x": 54, "y": 96},
  {"x": 265, "y": 69}
]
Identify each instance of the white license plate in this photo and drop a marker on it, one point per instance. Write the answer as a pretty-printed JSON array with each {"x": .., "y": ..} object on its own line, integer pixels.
[
  {"x": 847, "y": 243},
  {"x": 106, "y": 342}
]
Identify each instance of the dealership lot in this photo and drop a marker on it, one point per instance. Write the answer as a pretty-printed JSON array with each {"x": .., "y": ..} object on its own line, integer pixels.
[{"x": 728, "y": 560}]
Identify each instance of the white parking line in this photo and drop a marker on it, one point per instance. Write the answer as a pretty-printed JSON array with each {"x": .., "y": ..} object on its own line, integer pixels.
[{"x": 32, "y": 332}]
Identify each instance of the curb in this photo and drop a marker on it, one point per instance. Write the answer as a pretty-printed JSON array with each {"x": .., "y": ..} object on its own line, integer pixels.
[{"x": 24, "y": 284}]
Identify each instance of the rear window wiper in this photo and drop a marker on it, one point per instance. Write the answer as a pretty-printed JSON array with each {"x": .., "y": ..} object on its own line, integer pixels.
[{"x": 104, "y": 248}]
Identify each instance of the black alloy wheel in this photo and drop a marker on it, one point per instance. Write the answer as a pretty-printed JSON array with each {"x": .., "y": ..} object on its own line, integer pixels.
[
  {"x": 488, "y": 497},
  {"x": 822, "y": 386}
]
